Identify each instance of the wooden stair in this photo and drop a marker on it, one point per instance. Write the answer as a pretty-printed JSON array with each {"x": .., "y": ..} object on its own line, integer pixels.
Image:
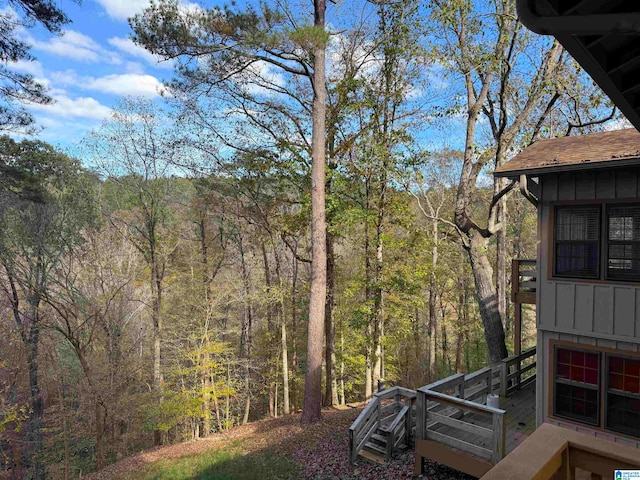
[
  {"x": 387, "y": 418},
  {"x": 375, "y": 450}
]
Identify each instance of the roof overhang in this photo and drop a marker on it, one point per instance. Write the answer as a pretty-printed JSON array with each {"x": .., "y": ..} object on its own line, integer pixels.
[
  {"x": 617, "y": 148},
  {"x": 602, "y": 35}
]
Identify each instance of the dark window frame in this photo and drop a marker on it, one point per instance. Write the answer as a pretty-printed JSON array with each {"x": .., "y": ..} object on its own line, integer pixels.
[
  {"x": 607, "y": 242},
  {"x": 604, "y": 356},
  {"x": 607, "y": 391},
  {"x": 557, "y": 242},
  {"x": 572, "y": 383}
]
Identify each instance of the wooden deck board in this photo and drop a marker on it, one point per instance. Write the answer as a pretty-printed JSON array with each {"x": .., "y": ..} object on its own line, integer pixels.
[{"x": 520, "y": 420}]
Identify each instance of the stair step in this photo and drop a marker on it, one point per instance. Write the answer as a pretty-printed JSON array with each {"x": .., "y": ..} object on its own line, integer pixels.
[
  {"x": 372, "y": 457},
  {"x": 376, "y": 448},
  {"x": 379, "y": 438}
]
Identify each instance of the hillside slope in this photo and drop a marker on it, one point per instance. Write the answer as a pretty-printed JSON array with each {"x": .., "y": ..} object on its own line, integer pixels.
[{"x": 281, "y": 446}]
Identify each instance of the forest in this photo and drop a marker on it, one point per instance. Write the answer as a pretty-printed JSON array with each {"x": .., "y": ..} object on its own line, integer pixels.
[{"x": 308, "y": 212}]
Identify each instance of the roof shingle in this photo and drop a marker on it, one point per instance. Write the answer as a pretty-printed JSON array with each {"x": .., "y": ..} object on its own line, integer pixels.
[{"x": 620, "y": 147}]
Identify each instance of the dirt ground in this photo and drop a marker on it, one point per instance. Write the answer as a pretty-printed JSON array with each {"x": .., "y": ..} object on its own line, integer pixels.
[{"x": 322, "y": 450}]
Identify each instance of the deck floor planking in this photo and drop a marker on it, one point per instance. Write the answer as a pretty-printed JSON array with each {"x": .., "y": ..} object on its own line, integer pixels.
[{"x": 520, "y": 420}]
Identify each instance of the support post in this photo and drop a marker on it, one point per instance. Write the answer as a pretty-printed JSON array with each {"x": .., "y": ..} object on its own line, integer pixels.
[
  {"x": 499, "y": 433},
  {"x": 517, "y": 330},
  {"x": 407, "y": 424},
  {"x": 421, "y": 413},
  {"x": 504, "y": 374}
]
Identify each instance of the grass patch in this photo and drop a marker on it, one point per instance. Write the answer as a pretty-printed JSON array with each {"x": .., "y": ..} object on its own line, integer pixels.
[{"x": 227, "y": 463}]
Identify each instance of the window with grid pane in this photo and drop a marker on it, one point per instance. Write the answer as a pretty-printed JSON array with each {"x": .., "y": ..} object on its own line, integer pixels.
[
  {"x": 577, "y": 385},
  {"x": 623, "y": 395},
  {"x": 577, "y": 241},
  {"x": 623, "y": 242}
]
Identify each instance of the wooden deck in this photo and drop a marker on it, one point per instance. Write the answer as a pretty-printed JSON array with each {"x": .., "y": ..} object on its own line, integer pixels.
[{"x": 520, "y": 420}]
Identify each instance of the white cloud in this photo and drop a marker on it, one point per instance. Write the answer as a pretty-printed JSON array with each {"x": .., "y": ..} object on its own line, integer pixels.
[
  {"x": 123, "y": 9},
  {"x": 126, "y": 84},
  {"x": 127, "y": 46},
  {"x": 32, "y": 67},
  {"x": 83, "y": 107},
  {"x": 75, "y": 45},
  {"x": 134, "y": 67},
  {"x": 65, "y": 78},
  {"x": 135, "y": 83}
]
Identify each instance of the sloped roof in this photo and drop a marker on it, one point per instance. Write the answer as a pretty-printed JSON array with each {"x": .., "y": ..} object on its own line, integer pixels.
[
  {"x": 602, "y": 35},
  {"x": 594, "y": 150}
]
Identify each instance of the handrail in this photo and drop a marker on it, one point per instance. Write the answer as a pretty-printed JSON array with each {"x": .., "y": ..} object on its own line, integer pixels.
[
  {"x": 523, "y": 291},
  {"x": 512, "y": 380},
  {"x": 370, "y": 420},
  {"x": 393, "y": 430},
  {"x": 361, "y": 424},
  {"x": 398, "y": 419},
  {"x": 553, "y": 452},
  {"x": 465, "y": 403},
  {"x": 443, "y": 384},
  {"x": 496, "y": 434}
]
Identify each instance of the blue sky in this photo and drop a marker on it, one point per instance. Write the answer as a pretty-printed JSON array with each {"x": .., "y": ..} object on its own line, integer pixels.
[{"x": 89, "y": 67}]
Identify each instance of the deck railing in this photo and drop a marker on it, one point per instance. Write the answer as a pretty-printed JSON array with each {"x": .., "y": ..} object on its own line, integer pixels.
[
  {"x": 471, "y": 423},
  {"x": 555, "y": 453},
  {"x": 517, "y": 371},
  {"x": 454, "y": 412},
  {"x": 392, "y": 413},
  {"x": 523, "y": 281}
]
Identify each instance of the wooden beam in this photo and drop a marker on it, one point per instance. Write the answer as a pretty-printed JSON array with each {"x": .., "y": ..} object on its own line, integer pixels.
[{"x": 444, "y": 455}]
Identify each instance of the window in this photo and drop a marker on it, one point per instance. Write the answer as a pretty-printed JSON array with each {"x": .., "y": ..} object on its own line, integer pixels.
[
  {"x": 577, "y": 241},
  {"x": 623, "y": 395},
  {"x": 586, "y": 379},
  {"x": 577, "y": 385},
  {"x": 623, "y": 242}
]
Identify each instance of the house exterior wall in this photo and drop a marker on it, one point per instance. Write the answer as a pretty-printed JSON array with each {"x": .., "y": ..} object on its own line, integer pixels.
[{"x": 588, "y": 312}]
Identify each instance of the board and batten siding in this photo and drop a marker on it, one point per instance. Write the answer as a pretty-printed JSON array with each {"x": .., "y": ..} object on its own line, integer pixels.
[
  {"x": 609, "y": 310},
  {"x": 604, "y": 314}
]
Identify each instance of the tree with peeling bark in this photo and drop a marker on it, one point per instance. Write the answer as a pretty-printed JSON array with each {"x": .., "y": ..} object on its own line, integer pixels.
[{"x": 519, "y": 83}]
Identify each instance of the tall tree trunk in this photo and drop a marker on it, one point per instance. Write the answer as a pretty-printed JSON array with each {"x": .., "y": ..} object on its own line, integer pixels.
[
  {"x": 433, "y": 332},
  {"x": 206, "y": 371},
  {"x": 343, "y": 400},
  {"x": 245, "y": 337},
  {"x": 283, "y": 337},
  {"x": 206, "y": 393},
  {"x": 433, "y": 310},
  {"x": 312, "y": 410},
  {"x": 378, "y": 330},
  {"x": 286, "y": 409},
  {"x": 157, "y": 275},
  {"x": 331, "y": 384},
  {"x": 378, "y": 290},
  {"x": 487, "y": 297},
  {"x": 100, "y": 456},
  {"x": 461, "y": 323},
  {"x": 270, "y": 359},
  {"x": 368, "y": 292},
  {"x": 501, "y": 260},
  {"x": 294, "y": 334},
  {"x": 65, "y": 431},
  {"x": 34, "y": 436}
]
